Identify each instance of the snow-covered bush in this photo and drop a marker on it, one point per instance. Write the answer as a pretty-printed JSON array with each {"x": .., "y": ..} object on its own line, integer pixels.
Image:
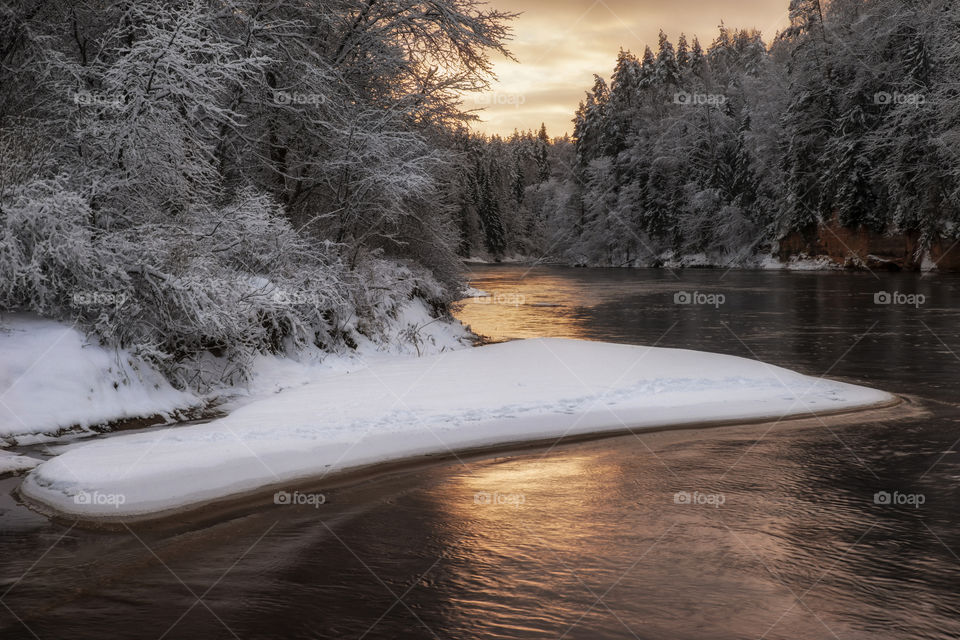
[
  {"x": 48, "y": 250},
  {"x": 235, "y": 281}
]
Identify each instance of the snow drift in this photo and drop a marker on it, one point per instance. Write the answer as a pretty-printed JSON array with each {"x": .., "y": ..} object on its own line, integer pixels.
[
  {"x": 52, "y": 377},
  {"x": 512, "y": 392}
]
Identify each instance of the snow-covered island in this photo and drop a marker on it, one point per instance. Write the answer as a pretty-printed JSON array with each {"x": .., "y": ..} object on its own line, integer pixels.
[{"x": 405, "y": 407}]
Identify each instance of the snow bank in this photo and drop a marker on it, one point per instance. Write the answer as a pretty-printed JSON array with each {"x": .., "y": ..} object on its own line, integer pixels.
[
  {"x": 414, "y": 332},
  {"x": 12, "y": 463},
  {"x": 502, "y": 393},
  {"x": 52, "y": 378}
]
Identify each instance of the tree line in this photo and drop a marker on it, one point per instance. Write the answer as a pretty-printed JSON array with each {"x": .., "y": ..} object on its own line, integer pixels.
[{"x": 851, "y": 114}]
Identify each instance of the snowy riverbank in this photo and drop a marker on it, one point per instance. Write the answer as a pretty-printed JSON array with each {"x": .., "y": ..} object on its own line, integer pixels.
[
  {"x": 53, "y": 379},
  {"x": 57, "y": 383},
  {"x": 504, "y": 393}
]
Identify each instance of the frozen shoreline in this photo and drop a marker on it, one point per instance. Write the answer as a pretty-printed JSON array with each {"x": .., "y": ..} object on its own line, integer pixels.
[{"x": 490, "y": 396}]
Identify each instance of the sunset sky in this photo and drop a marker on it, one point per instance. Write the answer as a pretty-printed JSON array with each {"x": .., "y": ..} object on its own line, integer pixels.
[{"x": 560, "y": 44}]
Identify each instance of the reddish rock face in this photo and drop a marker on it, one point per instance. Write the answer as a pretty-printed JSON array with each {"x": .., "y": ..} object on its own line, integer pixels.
[{"x": 860, "y": 247}]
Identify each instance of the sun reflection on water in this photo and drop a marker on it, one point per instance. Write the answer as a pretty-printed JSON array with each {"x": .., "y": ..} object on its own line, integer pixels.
[{"x": 530, "y": 306}]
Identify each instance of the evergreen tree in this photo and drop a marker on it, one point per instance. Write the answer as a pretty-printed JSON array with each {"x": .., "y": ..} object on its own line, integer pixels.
[
  {"x": 648, "y": 69},
  {"x": 624, "y": 97},
  {"x": 488, "y": 209},
  {"x": 590, "y": 123},
  {"x": 542, "y": 154},
  {"x": 518, "y": 184},
  {"x": 667, "y": 69},
  {"x": 697, "y": 60},
  {"x": 683, "y": 52}
]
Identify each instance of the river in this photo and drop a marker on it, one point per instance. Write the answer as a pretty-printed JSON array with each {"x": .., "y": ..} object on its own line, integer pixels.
[{"x": 839, "y": 528}]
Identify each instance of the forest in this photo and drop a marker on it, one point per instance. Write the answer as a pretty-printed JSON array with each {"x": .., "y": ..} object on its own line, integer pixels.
[
  {"x": 202, "y": 182},
  {"x": 714, "y": 153}
]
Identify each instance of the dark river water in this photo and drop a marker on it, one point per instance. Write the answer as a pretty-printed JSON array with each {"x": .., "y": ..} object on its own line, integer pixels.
[{"x": 835, "y": 528}]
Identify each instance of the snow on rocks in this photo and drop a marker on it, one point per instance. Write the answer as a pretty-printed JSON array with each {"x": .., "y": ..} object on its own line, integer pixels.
[
  {"x": 52, "y": 377},
  {"x": 493, "y": 395}
]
